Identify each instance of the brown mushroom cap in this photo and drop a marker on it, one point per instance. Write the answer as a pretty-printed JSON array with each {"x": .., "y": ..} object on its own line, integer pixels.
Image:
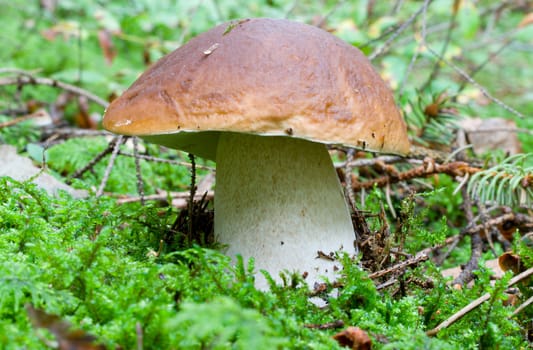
[{"x": 266, "y": 77}]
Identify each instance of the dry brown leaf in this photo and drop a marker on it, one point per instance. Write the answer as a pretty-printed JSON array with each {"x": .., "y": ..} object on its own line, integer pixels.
[
  {"x": 354, "y": 338},
  {"x": 509, "y": 261},
  {"x": 490, "y": 264},
  {"x": 527, "y": 20},
  {"x": 104, "y": 39},
  {"x": 492, "y": 133},
  {"x": 67, "y": 338},
  {"x": 456, "y": 7}
]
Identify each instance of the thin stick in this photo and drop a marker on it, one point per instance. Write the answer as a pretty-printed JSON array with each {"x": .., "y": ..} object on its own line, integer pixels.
[
  {"x": 20, "y": 119},
  {"x": 470, "y": 229},
  {"x": 93, "y": 162},
  {"x": 369, "y": 161},
  {"x": 139, "y": 332},
  {"x": 28, "y": 79},
  {"x": 476, "y": 243},
  {"x": 436, "y": 67},
  {"x": 348, "y": 177},
  {"x": 327, "y": 15},
  {"x": 400, "y": 266},
  {"x": 417, "y": 50},
  {"x": 492, "y": 130},
  {"x": 458, "y": 315},
  {"x": 466, "y": 274},
  {"x": 191, "y": 14},
  {"x": 523, "y": 306},
  {"x": 190, "y": 203},
  {"x": 484, "y": 91},
  {"x": 74, "y": 132},
  {"x": 100, "y": 190},
  {"x": 163, "y": 160},
  {"x": 383, "y": 48},
  {"x": 490, "y": 58},
  {"x": 165, "y": 196},
  {"x": 329, "y": 325},
  {"x": 140, "y": 183}
]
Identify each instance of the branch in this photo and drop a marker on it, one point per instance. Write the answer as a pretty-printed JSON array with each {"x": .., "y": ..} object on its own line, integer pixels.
[
  {"x": 25, "y": 78},
  {"x": 428, "y": 168},
  {"x": 329, "y": 325},
  {"x": 165, "y": 196},
  {"x": 398, "y": 31},
  {"x": 466, "y": 274},
  {"x": 163, "y": 160},
  {"x": 116, "y": 148},
  {"x": 140, "y": 182},
  {"x": 37, "y": 114},
  {"x": 400, "y": 266},
  {"x": 471, "y": 80},
  {"x": 458, "y": 315},
  {"x": 94, "y": 161}
]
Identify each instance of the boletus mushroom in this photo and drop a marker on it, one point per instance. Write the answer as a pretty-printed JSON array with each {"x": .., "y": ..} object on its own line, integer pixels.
[{"x": 262, "y": 97}]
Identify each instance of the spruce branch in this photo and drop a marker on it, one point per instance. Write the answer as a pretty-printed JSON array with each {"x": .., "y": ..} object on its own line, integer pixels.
[
  {"x": 433, "y": 119},
  {"x": 509, "y": 183}
]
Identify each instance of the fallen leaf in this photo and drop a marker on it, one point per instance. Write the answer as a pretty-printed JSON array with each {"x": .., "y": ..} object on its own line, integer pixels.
[
  {"x": 354, "y": 338},
  {"x": 67, "y": 338},
  {"x": 83, "y": 118},
  {"x": 492, "y": 133},
  {"x": 492, "y": 265},
  {"x": 456, "y": 6},
  {"x": 104, "y": 39},
  {"x": 509, "y": 261},
  {"x": 527, "y": 20}
]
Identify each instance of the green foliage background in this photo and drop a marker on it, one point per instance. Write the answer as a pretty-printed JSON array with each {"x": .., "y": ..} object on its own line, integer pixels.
[
  {"x": 94, "y": 262},
  {"x": 87, "y": 260}
]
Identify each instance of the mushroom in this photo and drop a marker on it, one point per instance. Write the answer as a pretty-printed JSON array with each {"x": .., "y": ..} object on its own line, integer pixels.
[{"x": 262, "y": 97}]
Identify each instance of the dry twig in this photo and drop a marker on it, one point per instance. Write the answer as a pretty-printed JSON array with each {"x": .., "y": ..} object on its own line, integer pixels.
[
  {"x": 428, "y": 168},
  {"x": 329, "y": 325},
  {"x": 140, "y": 183},
  {"x": 93, "y": 162},
  {"x": 458, "y": 315},
  {"x": 107, "y": 172},
  {"x": 466, "y": 274},
  {"x": 20, "y": 119},
  {"x": 26, "y": 78},
  {"x": 163, "y": 160},
  {"x": 523, "y": 306},
  {"x": 401, "y": 265},
  {"x": 381, "y": 50},
  {"x": 468, "y": 78},
  {"x": 165, "y": 196}
]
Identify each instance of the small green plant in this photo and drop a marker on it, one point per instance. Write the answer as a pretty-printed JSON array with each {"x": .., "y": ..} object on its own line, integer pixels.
[
  {"x": 508, "y": 183},
  {"x": 18, "y": 135},
  {"x": 433, "y": 121},
  {"x": 221, "y": 324}
]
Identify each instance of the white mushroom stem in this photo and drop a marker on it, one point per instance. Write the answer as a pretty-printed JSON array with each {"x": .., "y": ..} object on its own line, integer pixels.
[{"x": 279, "y": 200}]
